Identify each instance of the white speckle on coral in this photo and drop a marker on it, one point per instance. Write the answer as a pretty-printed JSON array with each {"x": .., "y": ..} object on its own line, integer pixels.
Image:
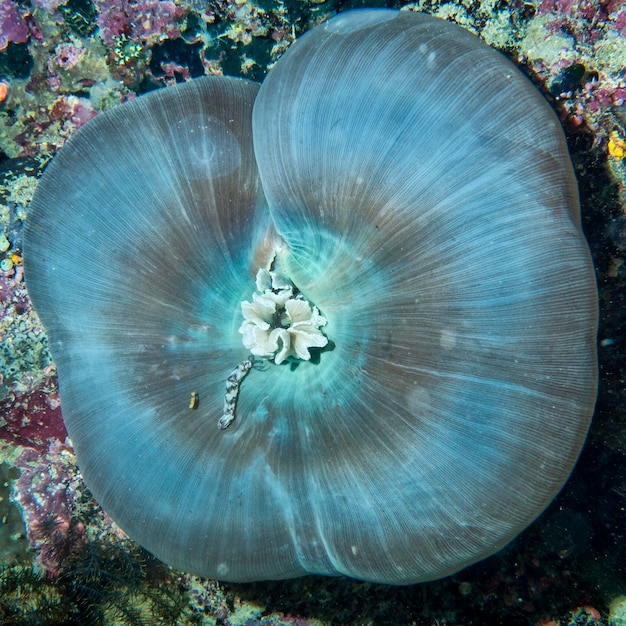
[{"x": 447, "y": 339}]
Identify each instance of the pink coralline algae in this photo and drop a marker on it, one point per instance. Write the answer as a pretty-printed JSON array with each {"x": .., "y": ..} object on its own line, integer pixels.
[
  {"x": 618, "y": 18},
  {"x": 44, "y": 492},
  {"x": 30, "y": 413},
  {"x": 147, "y": 21},
  {"x": 67, "y": 55},
  {"x": 32, "y": 419},
  {"x": 73, "y": 110},
  {"x": 49, "y": 130},
  {"x": 13, "y": 24},
  {"x": 586, "y": 18}
]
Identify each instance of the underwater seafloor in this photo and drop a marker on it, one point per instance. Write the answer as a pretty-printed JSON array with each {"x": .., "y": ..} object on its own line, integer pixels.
[{"x": 62, "y": 560}]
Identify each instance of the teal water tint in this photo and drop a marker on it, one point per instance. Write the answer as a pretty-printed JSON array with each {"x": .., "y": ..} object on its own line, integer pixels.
[
  {"x": 459, "y": 390},
  {"x": 551, "y": 548}
]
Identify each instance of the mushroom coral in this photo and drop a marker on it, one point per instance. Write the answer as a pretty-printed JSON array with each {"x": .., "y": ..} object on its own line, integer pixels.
[{"x": 404, "y": 199}]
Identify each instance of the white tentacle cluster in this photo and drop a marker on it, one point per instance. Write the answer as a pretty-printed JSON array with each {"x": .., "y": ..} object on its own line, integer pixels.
[{"x": 279, "y": 323}]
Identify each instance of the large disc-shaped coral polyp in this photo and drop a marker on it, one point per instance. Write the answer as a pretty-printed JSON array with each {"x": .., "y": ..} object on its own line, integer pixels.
[{"x": 423, "y": 199}]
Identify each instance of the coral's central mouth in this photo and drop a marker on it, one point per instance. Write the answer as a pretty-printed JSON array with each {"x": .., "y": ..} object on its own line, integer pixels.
[{"x": 279, "y": 325}]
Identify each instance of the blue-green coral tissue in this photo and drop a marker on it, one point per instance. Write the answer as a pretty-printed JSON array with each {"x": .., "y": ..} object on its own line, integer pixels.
[{"x": 425, "y": 203}]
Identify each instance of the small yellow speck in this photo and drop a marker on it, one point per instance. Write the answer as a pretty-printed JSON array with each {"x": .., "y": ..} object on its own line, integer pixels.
[
  {"x": 194, "y": 400},
  {"x": 617, "y": 146}
]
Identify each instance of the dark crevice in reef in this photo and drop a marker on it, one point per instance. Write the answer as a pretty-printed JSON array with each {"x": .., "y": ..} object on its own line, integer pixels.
[
  {"x": 16, "y": 61},
  {"x": 600, "y": 469}
]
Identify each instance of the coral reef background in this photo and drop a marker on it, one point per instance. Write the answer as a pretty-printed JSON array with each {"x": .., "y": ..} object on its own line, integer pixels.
[{"x": 62, "y": 560}]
